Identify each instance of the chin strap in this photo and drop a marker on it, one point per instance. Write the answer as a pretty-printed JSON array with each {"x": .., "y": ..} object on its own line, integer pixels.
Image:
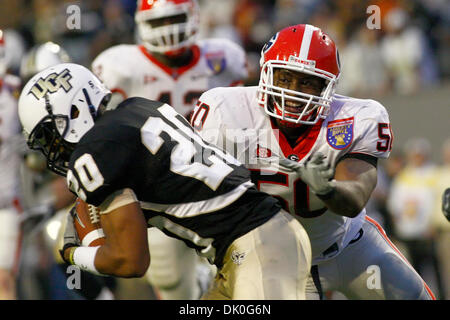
[{"x": 48, "y": 106}]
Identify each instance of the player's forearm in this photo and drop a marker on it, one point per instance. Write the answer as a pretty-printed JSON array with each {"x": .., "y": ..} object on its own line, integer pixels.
[
  {"x": 110, "y": 261},
  {"x": 348, "y": 198}
]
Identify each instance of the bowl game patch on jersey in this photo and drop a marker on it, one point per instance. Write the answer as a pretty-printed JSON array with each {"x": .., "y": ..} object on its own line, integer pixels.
[
  {"x": 216, "y": 61},
  {"x": 340, "y": 133}
]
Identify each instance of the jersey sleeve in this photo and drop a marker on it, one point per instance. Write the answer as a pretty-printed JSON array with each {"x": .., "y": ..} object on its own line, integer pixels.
[
  {"x": 100, "y": 168},
  {"x": 112, "y": 72},
  {"x": 207, "y": 118},
  {"x": 373, "y": 131},
  {"x": 236, "y": 62}
]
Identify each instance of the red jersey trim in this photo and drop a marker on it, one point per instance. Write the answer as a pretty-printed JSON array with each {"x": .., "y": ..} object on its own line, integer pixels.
[
  {"x": 304, "y": 142},
  {"x": 120, "y": 91},
  {"x": 236, "y": 83},
  {"x": 173, "y": 72}
]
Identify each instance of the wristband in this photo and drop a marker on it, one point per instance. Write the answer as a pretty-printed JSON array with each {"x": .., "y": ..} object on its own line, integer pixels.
[
  {"x": 71, "y": 252},
  {"x": 84, "y": 258}
]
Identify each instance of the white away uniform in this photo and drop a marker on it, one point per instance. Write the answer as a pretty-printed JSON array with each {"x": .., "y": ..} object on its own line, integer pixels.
[
  {"x": 133, "y": 72},
  {"x": 346, "y": 251},
  {"x": 130, "y": 71},
  {"x": 10, "y": 159}
]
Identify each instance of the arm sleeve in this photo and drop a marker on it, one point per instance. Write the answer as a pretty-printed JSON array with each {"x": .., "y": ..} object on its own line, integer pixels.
[
  {"x": 207, "y": 118},
  {"x": 111, "y": 71},
  {"x": 373, "y": 131},
  {"x": 237, "y": 62}
]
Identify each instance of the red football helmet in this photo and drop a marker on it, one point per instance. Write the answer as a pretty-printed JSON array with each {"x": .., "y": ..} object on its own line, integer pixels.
[
  {"x": 167, "y": 25},
  {"x": 2, "y": 54},
  {"x": 301, "y": 48}
]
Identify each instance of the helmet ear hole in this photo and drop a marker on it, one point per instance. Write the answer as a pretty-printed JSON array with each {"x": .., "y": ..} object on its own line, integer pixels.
[{"x": 74, "y": 112}]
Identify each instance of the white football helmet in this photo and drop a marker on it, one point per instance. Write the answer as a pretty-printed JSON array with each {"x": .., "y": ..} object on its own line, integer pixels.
[
  {"x": 42, "y": 57},
  {"x": 57, "y": 107},
  {"x": 2, "y": 54},
  {"x": 164, "y": 36}
]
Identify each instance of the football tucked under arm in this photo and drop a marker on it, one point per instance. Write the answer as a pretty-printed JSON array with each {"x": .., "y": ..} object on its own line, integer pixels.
[{"x": 87, "y": 224}]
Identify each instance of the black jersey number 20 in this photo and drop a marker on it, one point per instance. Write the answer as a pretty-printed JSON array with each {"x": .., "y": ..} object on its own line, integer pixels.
[
  {"x": 188, "y": 144},
  {"x": 211, "y": 173}
]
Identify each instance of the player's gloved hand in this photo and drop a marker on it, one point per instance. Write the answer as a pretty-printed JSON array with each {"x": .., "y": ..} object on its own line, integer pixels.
[
  {"x": 446, "y": 203},
  {"x": 71, "y": 240},
  {"x": 316, "y": 172}
]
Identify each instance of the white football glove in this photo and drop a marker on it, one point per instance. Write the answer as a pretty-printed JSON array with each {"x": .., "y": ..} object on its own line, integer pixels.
[{"x": 315, "y": 172}]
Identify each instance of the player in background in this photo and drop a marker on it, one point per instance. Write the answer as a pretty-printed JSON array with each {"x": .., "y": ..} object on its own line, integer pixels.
[
  {"x": 163, "y": 175},
  {"x": 46, "y": 193},
  {"x": 10, "y": 159},
  {"x": 294, "y": 114},
  {"x": 171, "y": 65},
  {"x": 52, "y": 194}
]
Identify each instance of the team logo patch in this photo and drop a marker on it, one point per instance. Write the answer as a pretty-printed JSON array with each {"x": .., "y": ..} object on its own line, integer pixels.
[
  {"x": 51, "y": 84},
  {"x": 238, "y": 257},
  {"x": 216, "y": 61},
  {"x": 340, "y": 133}
]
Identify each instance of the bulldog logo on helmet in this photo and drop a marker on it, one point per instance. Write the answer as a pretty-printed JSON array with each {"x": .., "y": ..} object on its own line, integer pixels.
[{"x": 269, "y": 43}]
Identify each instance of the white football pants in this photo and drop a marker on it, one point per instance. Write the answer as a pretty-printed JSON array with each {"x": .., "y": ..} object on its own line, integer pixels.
[{"x": 369, "y": 268}]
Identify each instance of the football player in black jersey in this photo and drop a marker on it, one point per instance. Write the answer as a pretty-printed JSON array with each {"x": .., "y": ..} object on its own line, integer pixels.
[{"x": 143, "y": 166}]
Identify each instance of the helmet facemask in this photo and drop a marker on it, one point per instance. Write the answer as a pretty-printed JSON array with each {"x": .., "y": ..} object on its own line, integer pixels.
[
  {"x": 48, "y": 137},
  {"x": 168, "y": 29},
  {"x": 276, "y": 100}
]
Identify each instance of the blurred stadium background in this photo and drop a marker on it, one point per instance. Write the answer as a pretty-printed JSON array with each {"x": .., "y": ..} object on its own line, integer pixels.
[{"x": 405, "y": 64}]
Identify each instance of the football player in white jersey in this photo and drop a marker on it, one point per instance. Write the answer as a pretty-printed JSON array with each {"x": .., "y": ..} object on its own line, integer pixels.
[
  {"x": 295, "y": 115},
  {"x": 172, "y": 66},
  {"x": 10, "y": 159}
]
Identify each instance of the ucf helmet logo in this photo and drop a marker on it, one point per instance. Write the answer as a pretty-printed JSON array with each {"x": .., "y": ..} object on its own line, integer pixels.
[{"x": 52, "y": 83}]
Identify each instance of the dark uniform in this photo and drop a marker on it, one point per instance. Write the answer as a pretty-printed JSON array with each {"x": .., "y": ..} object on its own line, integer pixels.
[{"x": 187, "y": 188}]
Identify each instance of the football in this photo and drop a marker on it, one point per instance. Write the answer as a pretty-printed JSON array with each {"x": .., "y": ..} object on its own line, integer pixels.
[{"x": 87, "y": 224}]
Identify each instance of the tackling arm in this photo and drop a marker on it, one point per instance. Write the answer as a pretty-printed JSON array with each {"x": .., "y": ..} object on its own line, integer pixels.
[
  {"x": 344, "y": 190},
  {"x": 355, "y": 181}
]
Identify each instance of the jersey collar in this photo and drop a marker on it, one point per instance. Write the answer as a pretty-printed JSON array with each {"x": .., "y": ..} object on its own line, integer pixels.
[
  {"x": 173, "y": 72},
  {"x": 303, "y": 144}
]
